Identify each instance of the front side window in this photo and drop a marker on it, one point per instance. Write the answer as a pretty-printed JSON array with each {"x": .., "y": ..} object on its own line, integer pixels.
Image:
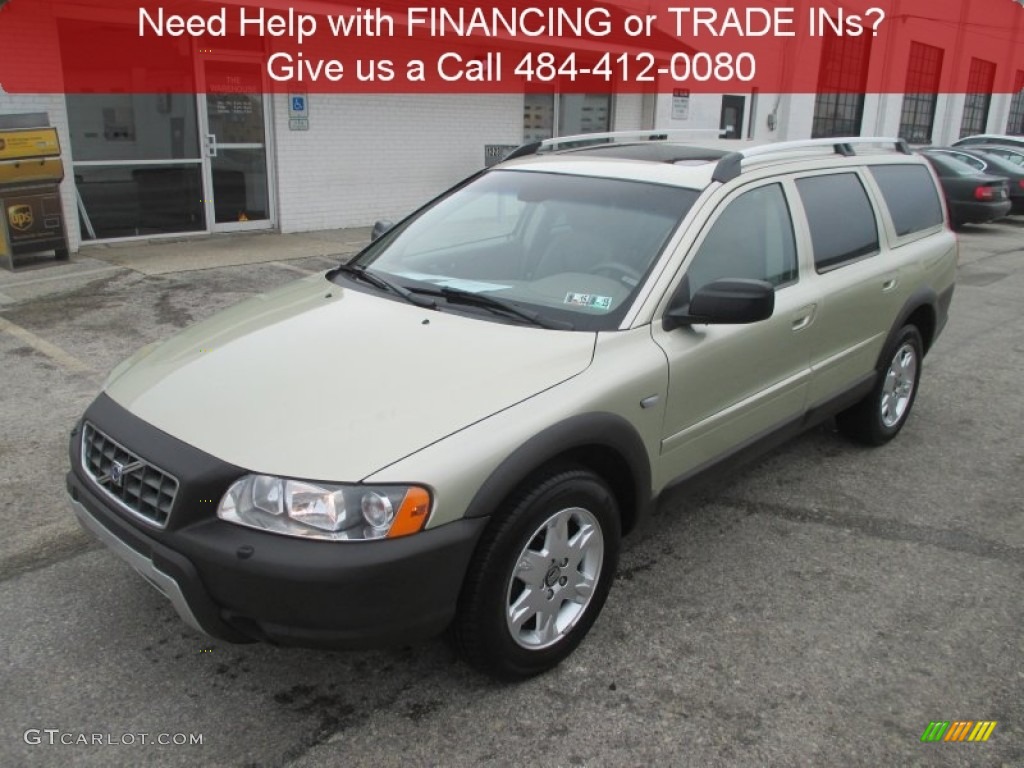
[
  {"x": 572, "y": 249},
  {"x": 752, "y": 239},
  {"x": 840, "y": 218}
]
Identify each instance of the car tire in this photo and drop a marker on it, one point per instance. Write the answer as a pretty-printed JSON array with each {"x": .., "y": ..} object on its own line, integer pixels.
[
  {"x": 540, "y": 575},
  {"x": 880, "y": 416}
]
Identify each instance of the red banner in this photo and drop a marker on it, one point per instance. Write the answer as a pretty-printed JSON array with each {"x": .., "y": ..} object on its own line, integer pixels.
[{"x": 799, "y": 46}]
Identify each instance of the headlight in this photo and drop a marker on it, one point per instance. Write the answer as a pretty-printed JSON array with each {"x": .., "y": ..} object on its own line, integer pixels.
[{"x": 322, "y": 511}]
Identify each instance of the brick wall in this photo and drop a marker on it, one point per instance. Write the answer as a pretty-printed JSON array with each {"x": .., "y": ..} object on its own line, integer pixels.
[{"x": 371, "y": 157}]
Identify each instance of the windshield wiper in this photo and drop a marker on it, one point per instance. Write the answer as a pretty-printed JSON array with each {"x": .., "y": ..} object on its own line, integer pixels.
[
  {"x": 485, "y": 301},
  {"x": 361, "y": 273}
]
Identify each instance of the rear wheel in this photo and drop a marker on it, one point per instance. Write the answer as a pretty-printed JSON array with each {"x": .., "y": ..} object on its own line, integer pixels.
[
  {"x": 540, "y": 576},
  {"x": 880, "y": 416}
]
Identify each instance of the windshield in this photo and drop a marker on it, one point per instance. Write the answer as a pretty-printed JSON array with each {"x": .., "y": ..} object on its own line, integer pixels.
[
  {"x": 1000, "y": 166},
  {"x": 1010, "y": 155},
  {"x": 572, "y": 249}
]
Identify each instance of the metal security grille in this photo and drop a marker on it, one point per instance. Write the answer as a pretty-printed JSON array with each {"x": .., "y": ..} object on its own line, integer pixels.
[
  {"x": 136, "y": 485},
  {"x": 980, "y": 80},
  {"x": 842, "y": 80},
  {"x": 1015, "y": 122},
  {"x": 924, "y": 69}
]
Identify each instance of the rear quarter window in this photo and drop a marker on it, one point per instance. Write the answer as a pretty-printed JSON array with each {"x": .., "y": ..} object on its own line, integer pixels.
[
  {"x": 910, "y": 195},
  {"x": 840, "y": 218}
]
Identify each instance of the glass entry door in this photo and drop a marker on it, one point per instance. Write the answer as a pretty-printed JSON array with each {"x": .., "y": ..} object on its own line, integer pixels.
[{"x": 234, "y": 125}]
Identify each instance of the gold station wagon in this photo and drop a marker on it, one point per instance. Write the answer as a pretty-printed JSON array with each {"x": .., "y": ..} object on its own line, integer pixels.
[{"x": 454, "y": 429}]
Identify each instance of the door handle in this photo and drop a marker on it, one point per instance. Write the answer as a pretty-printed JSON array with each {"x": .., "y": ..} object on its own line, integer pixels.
[
  {"x": 889, "y": 284},
  {"x": 803, "y": 317},
  {"x": 211, "y": 144}
]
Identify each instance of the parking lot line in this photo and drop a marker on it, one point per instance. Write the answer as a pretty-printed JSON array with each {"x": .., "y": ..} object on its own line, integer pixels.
[
  {"x": 14, "y": 281},
  {"x": 52, "y": 351}
]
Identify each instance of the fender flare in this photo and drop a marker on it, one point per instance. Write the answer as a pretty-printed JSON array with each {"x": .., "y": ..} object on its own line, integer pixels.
[
  {"x": 600, "y": 429},
  {"x": 922, "y": 297}
]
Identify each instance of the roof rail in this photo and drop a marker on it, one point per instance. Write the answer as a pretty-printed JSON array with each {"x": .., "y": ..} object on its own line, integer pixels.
[
  {"x": 652, "y": 135},
  {"x": 728, "y": 167}
]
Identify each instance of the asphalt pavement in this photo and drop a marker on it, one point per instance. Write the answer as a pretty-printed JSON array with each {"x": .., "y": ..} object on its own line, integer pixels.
[{"x": 820, "y": 607}]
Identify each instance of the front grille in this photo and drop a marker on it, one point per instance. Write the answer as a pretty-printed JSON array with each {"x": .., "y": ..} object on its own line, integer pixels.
[{"x": 136, "y": 485}]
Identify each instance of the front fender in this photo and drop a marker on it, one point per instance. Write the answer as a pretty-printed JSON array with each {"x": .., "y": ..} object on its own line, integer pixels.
[{"x": 604, "y": 435}]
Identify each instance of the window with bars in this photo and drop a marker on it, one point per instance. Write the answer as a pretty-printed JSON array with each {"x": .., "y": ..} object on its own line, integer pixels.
[
  {"x": 571, "y": 113},
  {"x": 1015, "y": 122},
  {"x": 917, "y": 118},
  {"x": 980, "y": 80},
  {"x": 839, "y": 106}
]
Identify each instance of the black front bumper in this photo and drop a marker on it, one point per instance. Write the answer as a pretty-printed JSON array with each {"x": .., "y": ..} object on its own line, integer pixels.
[{"x": 240, "y": 584}]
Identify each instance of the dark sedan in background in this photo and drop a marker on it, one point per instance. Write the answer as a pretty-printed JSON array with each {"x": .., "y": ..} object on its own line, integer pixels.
[
  {"x": 993, "y": 165},
  {"x": 972, "y": 197}
]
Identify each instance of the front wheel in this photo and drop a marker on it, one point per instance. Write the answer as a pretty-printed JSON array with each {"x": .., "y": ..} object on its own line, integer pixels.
[
  {"x": 540, "y": 576},
  {"x": 881, "y": 415}
]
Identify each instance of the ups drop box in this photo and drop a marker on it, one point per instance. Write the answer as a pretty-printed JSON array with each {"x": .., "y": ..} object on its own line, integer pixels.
[{"x": 31, "y": 215}]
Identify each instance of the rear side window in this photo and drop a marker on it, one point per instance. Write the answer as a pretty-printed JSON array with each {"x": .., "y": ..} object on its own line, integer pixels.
[
  {"x": 969, "y": 159},
  {"x": 910, "y": 194},
  {"x": 840, "y": 218}
]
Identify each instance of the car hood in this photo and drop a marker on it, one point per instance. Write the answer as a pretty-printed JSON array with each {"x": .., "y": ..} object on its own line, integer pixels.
[{"x": 326, "y": 383}]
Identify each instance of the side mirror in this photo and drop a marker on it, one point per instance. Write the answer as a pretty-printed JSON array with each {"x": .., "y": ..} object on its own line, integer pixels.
[
  {"x": 380, "y": 227},
  {"x": 723, "y": 302}
]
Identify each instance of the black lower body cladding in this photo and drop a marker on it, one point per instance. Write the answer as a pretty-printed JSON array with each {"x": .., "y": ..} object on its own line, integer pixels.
[{"x": 243, "y": 584}]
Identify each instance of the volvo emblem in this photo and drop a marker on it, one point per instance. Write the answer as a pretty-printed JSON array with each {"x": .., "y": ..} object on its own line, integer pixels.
[{"x": 114, "y": 477}]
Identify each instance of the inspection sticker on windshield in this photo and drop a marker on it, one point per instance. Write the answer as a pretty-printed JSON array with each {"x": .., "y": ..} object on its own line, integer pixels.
[{"x": 591, "y": 300}]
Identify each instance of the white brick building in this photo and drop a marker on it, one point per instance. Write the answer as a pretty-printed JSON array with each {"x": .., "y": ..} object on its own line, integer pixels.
[{"x": 144, "y": 165}]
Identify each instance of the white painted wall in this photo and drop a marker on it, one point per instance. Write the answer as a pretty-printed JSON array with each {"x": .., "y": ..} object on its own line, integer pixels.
[
  {"x": 627, "y": 114},
  {"x": 371, "y": 157}
]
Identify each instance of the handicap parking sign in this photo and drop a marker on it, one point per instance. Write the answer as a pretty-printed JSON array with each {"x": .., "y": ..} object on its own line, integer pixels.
[{"x": 297, "y": 106}]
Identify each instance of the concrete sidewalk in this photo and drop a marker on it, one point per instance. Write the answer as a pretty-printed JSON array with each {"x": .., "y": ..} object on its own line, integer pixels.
[{"x": 184, "y": 254}]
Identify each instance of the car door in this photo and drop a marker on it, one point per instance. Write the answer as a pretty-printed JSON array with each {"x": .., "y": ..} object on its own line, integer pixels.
[
  {"x": 860, "y": 285},
  {"x": 729, "y": 384}
]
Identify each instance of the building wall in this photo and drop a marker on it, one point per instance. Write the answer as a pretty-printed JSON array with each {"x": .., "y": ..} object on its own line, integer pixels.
[
  {"x": 703, "y": 113},
  {"x": 794, "y": 115},
  {"x": 380, "y": 157},
  {"x": 46, "y": 55},
  {"x": 627, "y": 112},
  {"x": 918, "y": 22}
]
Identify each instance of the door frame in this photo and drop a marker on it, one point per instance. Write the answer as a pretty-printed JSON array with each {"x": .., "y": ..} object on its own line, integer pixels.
[
  {"x": 267, "y": 100},
  {"x": 733, "y": 101}
]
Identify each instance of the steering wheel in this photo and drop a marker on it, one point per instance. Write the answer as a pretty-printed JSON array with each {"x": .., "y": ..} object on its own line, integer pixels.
[{"x": 618, "y": 271}]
